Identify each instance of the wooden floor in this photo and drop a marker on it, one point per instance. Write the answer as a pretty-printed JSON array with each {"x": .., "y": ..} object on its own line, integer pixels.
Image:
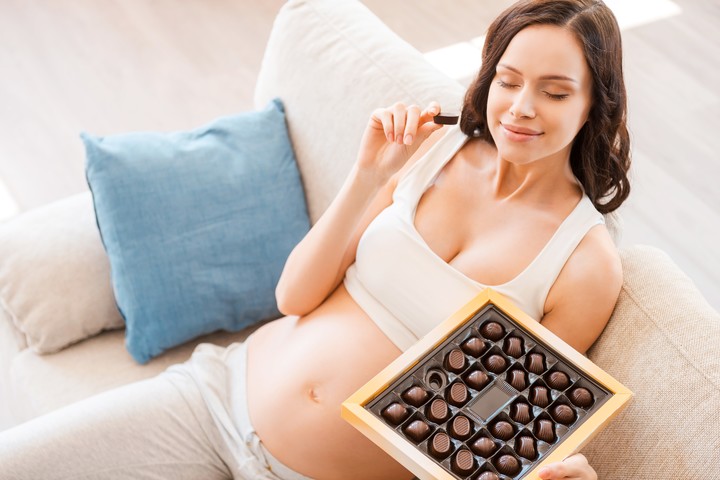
[{"x": 108, "y": 66}]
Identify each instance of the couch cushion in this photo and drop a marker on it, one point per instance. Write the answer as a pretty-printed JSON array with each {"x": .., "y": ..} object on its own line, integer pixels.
[
  {"x": 197, "y": 224},
  {"x": 55, "y": 276},
  {"x": 663, "y": 343}
]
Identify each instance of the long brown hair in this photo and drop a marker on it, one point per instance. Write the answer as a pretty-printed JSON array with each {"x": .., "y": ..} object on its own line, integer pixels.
[{"x": 600, "y": 154}]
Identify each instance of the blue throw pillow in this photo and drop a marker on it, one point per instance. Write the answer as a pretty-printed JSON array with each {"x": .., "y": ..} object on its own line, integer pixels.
[{"x": 197, "y": 225}]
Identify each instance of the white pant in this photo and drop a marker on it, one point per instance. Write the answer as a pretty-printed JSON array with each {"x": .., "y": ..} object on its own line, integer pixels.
[{"x": 189, "y": 422}]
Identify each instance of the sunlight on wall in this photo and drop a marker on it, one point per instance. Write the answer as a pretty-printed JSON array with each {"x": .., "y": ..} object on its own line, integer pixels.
[{"x": 462, "y": 60}]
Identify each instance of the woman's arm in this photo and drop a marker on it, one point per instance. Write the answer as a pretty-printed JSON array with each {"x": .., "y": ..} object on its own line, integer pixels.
[{"x": 317, "y": 265}]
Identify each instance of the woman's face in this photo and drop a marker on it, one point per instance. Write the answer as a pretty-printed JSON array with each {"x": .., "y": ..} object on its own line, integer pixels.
[{"x": 540, "y": 96}]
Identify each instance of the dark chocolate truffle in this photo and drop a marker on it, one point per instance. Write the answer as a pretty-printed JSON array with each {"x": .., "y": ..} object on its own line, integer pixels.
[
  {"x": 415, "y": 396},
  {"x": 492, "y": 331},
  {"x": 477, "y": 379},
  {"x": 520, "y": 412},
  {"x": 495, "y": 363},
  {"x": 518, "y": 379},
  {"x": 488, "y": 476},
  {"x": 473, "y": 346},
  {"x": 581, "y": 397},
  {"x": 395, "y": 413},
  {"x": 455, "y": 360},
  {"x": 535, "y": 362},
  {"x": 437, "y": 411},
  {"x": 544, "y": 430},
  {"x": 507, "y": 465},
  {"x": 513, "y": 346},
  {"x": 484, "y": 447},
  {"x": 525, "y": 447},
  {"x": 439, "y": 445},
  {"x": 502, "y": 430},
  {"x": 417, "y": 430},
  {"x": 458, "y": 394},
  {"x": 461, "y": 427},
  {"x": 450, "y": 118},
  {"x": 558, "y": 380},
  {"x": 563, "y": 414},
  {"x": 463, "y": 462},
  {"x": 540, "y": 396}
]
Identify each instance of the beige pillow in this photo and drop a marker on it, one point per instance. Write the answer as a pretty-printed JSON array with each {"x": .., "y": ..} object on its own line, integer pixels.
[
  {"x": 663, "y": 343},
  {"x": 55, "y": 276}
]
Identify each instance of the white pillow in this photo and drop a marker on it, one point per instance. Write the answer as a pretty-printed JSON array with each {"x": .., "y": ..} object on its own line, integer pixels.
[{"x": 55, "y": 275}]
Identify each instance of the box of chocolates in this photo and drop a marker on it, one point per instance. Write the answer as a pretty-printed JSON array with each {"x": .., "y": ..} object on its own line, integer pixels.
[{"x": 489, "y": 394}]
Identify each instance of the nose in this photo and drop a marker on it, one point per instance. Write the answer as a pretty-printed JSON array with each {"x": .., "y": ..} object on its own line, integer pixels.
[{"x": 522, "y": 105}]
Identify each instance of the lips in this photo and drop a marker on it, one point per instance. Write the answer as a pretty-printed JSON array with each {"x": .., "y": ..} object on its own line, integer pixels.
[{"x": 521, "y": 130}]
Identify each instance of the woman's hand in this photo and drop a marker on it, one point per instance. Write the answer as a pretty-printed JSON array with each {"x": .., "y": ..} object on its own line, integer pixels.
[
  {"x": 392, "y": 135},
  {"x": 575, "y": 467}
]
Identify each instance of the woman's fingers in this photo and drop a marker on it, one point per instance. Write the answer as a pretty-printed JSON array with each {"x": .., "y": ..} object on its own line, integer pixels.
[
  {"x": 575, "y": 467},
  {"x": 411, "y": 124},
  {"x": 400, "y": 123},
  {"x": 399, "y": 115}
]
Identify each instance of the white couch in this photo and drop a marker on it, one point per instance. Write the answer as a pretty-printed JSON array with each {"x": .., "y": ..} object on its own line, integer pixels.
[{"x": 332, "y": 62}]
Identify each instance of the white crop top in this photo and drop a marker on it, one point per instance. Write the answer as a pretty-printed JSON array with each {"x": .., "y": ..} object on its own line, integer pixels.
[{"x": 407, "y": 289}]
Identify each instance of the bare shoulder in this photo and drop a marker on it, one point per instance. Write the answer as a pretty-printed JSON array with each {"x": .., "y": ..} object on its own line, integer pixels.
[{"x": 583, "y": 297}]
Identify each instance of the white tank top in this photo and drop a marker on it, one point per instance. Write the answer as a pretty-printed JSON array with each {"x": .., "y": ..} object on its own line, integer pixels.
[{"x": 407, "y": 289}]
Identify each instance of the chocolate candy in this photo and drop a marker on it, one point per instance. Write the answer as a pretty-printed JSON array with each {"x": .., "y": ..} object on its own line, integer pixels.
[
  {"x": 525, "y": 447},
  {"x": 395, "y": 413},
  {"x": 558, "y": 380},
  {"x": 415, "y": 396},
  {"x": 460, "y": 427},
  {"x": 477, "y": 379},
  {"x": 417, "y": 430},
  {"x": 581, "y": 397},
  {"x": 492, "y": 331},
  {"x": 437, "y": 411},
  {"x": 446, "y": 118},
  {"x": 502, "y": 430},
  {"x": 495, "y": 363},
  {"x": 455, "y": 360},
  {"x": 563, "y": 414},
  {"x": 463, "y": 462},
  {"x": 518, "y": 379},
  {"x": 507, "y": 465},
  {"x": 513, "y": 346},
  {"x": 520, "y": 412},
  {"x": 473, "y": 346},
  {"x": 540, "y": 396},
  {"x": 535, "y": 363},
  {"x": 488, "y": 476},
  {"x": 544, "y": 430},
  {"x": 484, "y": 447},
  {"x": 440, "y": 445},
  {"x": 458, "y": 394}
]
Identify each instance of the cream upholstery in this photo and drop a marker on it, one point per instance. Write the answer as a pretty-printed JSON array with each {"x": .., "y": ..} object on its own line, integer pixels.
[{"x": 332, "y": 62}]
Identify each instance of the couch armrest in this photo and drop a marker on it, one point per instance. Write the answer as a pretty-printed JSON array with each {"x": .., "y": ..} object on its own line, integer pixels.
[
  {"x": 55, "y": 283},
  {"x": 663, "y": 343}
]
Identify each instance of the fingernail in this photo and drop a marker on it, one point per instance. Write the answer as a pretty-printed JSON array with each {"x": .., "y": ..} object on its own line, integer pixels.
[{"x": 408, "y": 139}]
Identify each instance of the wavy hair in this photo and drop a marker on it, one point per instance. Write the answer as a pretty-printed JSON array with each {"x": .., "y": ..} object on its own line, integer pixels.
[{"x": 600, "y": 153}]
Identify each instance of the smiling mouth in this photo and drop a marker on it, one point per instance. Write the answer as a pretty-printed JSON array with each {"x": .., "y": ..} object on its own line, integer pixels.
[
  {"x": 519, "y": 136},
  {"x": 520, "y": 130}
]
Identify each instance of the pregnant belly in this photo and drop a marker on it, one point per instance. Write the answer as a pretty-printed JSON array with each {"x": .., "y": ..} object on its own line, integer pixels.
[{"x": 299, "y": 372}]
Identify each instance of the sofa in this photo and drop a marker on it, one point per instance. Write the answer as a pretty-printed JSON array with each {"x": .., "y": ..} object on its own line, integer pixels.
[{"x": 332, "y": 62}]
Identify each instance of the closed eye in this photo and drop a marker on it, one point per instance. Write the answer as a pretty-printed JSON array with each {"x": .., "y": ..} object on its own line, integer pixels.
[{"x": 556, "y": 96}]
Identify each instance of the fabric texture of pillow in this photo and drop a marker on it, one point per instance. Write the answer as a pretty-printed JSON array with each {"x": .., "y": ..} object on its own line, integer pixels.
[{"x": 197, "y": 225}]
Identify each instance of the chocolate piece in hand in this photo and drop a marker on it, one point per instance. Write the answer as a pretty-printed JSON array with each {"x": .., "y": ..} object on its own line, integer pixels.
[
  {"x": 488, "y": 476},
  {"x": 513, "y": 346},
  {"x": 581, "y": 397},
  {"x": 463, "y": 462},
  {"x": 492, "y": 331},
  {"x": 495, "y": 363},
  {"x": 437, "y": 411},
  {"x": 461, "y": 427},
  {"x": 563, "y": 414},
  {"x": 544, "y": 430},
  {"x": 415, "y": 396},
  {"x": 525, "y": 447},
  {"x": 395, "y": 413},
  {"x": 446, "y": 118},
  {"x": 558, "y": 380},
  {"x": 502, "y": 430},
  {"x": 417, "y": 430},
  {"x": 535, "y": 362},
  {"x": 540, "y": 396},
  {"x": 440, "y": 445},
  {"x": 507, "y": 465},
  {"x": 477, "y": 379},
  {"x": 484, "y": 447},
  {"x": 455, "y": 360},
  {"x": 473, "y": 346}
]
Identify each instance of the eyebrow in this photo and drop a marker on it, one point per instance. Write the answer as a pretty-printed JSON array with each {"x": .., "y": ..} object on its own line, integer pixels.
[{"x": 544, "y": 77}]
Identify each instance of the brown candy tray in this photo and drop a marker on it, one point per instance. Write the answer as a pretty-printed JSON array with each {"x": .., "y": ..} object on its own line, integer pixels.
[{"x": 489, "y": 394}]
